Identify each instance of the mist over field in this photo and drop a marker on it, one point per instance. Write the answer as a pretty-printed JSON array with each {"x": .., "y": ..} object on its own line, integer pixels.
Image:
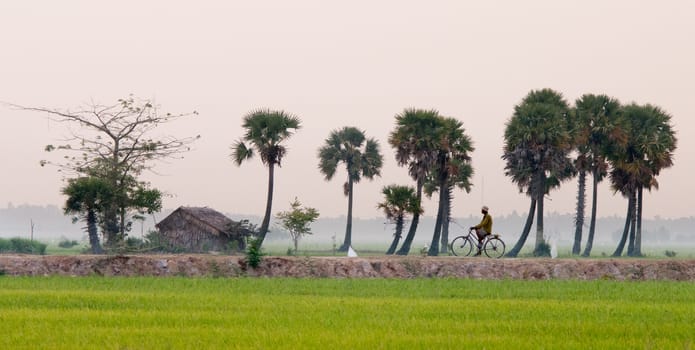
[{"x": 50, "y": 225}]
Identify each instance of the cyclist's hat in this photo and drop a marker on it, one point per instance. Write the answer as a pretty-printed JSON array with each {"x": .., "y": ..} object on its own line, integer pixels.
[{"x": 485, "y": 208}]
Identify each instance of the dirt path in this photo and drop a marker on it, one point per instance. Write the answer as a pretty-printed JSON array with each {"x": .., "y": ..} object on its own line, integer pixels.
[{"x": 343, "y": 267}]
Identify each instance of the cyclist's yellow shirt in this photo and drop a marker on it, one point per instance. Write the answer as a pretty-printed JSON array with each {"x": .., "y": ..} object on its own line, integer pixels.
[{"x": 486, "y": 223}]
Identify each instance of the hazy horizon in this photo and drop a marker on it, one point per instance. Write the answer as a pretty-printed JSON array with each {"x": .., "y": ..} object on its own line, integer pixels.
[{"x": 333, "y": 65}]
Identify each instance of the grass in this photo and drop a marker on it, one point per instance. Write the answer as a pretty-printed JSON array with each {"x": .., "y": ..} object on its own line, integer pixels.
[{"x": 180, "y": 313}]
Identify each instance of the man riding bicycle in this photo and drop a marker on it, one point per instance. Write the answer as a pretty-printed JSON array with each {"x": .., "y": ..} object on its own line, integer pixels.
[{"x": 484, "y": 228}]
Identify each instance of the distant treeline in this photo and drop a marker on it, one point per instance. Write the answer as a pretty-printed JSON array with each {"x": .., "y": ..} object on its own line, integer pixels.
[{"x": 51, "y": 224}]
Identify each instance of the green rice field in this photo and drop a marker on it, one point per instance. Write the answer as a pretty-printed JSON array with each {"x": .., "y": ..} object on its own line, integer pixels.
[{"x": 262, "y": 313}]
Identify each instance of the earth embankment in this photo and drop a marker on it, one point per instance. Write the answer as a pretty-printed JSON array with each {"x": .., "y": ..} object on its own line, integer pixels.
[{"x": 344, "y": 267}]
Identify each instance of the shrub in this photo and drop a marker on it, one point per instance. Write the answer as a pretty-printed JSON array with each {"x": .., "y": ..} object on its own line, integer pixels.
[
  {"x": 66, "y": 243},
  {"x": 134, "y": 243},
  {"x": 543, "y": 249},
  {"x": 670, "y": 253},
  {"x": 154, "y": 242},
  {"x": 254, "y": 254},
  {"x": 22, "y": 246},
  {"x": 5, "y": 245}
]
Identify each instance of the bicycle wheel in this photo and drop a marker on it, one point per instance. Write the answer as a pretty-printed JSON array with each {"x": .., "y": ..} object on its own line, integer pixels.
[
  {"x": 461, "y": 246},
  {"x": 494, "y": 247}
]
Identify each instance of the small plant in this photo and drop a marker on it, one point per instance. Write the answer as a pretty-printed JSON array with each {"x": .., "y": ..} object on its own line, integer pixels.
[
  {"x": 543, "y": 249},
  {"x": 254, "y": 254},
  {"x": 670, "y": 253},
  {"x": 424, "y": 250},
  {"x": 290, "y": 251},
  {"x": 297, "y": 221}
]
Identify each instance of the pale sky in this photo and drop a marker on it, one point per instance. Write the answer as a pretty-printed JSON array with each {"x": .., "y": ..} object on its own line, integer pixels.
[{"x": 334, "y": 64}]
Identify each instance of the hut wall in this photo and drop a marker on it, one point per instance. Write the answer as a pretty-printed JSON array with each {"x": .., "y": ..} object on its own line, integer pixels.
[{"x": 181, "y": 231}]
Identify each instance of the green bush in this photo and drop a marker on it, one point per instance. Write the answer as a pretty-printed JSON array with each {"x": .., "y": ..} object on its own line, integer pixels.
[
  {"x": 66, "y": 243},
  {"x": 543, "y": 249},
  {"x": 670, "y": 253},
  {"x": 135, "y": 243},
  {"x": 254, "y": 254},
  {"x": 5, "y": 245},
  {"x": 22, "y": 246}
]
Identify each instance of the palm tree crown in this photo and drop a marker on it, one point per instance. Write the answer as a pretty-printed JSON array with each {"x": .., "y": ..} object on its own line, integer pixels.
[{"x": 265, "y": 131}]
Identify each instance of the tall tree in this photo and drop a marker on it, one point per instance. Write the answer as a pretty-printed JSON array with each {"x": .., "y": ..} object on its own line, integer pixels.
[
  {"x": 88, "y": 196},
  {"x": 115, "y": 143},
  {"x": 361, "y": 158},
  {"x": 453, "y": 168},
  {"x": 537, "y": 143},
  {"x": 265, "y": 132},
  {"x": 399, "y": 201},
  {"x": 598, "y": 134},
  {"x": 651, "y": 142},
  {"x": 415, "y": 141}
]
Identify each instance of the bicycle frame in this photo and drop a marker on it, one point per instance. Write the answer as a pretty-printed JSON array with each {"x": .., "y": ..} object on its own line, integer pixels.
[{"x": 491, "y": 244}]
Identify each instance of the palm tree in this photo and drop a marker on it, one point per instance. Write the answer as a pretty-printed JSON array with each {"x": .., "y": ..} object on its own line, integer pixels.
[
  {"x": 361, "y": 157},
  {"x": 415, "y": 141},
  {"x": 537, "y": 147},
  {"x": 453, "y": 168},
  {"x": 659, "y": 142},
  {"x": 650, "y": 145},
  {"x": 399, "y": 201},
  {"x": 265, "y": 132},
  {"x": 88, "y": 196},
  {"x": 598, "y": 134}
]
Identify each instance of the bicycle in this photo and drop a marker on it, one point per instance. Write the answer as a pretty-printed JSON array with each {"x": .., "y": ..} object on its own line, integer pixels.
[{"x": 493, "y": 246}]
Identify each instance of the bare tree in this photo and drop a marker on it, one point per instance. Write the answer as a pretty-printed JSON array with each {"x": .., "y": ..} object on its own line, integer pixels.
[{"x": 113, "y": 142}]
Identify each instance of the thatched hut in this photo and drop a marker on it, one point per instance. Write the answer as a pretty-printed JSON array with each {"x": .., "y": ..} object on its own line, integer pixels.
[{"x": 196, "y": 229}]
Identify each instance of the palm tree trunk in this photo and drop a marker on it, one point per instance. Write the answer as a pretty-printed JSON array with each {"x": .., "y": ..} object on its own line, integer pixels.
[
  {"x": 540, "y": 194},
  {"x": 524, "y": 234},
  {"x": 92, "y": 232},
  {"x": 592, "y": 223},
  {"x": 396, "y": 236},
  {"x": 638, "y": 235},
  {"x": 631, "y": 239},
  {"x": 405, "y": 248},
  {"x": 579, "y": 219},
  {"x": 348, "y": 227},
  {"x": 268, "y": 205},
  {"x": 434, "y": 245},
  {"x": 444, "y": 248},
  {"x": 628, "y": 217}
]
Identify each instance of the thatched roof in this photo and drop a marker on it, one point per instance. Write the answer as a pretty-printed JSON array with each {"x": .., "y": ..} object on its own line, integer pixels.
[{"x": 203, "y": 216}]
